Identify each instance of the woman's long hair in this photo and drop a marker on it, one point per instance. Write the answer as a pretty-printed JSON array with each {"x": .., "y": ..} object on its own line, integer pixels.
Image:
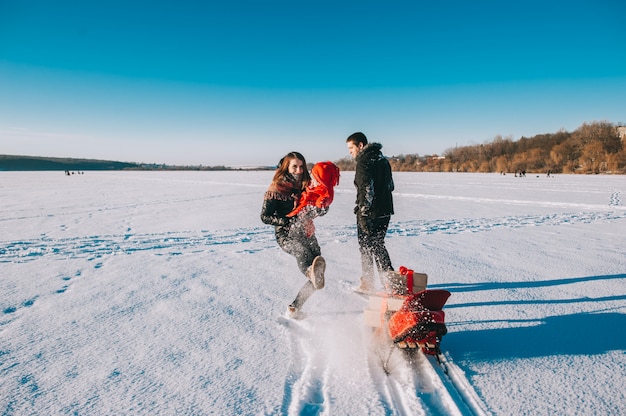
[{"x": 283, "y": 169}]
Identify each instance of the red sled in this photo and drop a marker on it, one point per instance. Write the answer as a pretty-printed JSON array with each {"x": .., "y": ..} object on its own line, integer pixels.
[
  {"x": 409, "y": 314},
  {"x": 420, "y": 321}
]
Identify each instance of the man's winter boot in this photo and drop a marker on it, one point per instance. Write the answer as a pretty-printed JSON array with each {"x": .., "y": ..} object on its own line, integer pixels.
[{"x": 367, "y": 285}]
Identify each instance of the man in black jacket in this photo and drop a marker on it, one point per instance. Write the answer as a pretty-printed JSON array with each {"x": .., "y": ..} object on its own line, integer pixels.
[{"x": 374, "y": 206}]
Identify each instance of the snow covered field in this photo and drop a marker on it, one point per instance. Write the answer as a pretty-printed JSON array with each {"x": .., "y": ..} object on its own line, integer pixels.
[{"x": 163, "y": 293}]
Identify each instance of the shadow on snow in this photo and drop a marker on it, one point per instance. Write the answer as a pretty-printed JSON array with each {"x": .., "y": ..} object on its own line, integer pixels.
[
  {"x": 585, "y": 333},
  {"x": 577, "y": 334}
]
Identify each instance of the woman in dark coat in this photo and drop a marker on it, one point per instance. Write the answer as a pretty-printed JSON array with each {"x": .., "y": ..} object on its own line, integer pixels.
[{"x": 290, "y": 180}]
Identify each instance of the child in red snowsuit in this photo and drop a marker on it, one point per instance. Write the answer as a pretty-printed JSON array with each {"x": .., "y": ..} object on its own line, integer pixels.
[{"x": 317, "y": 197}]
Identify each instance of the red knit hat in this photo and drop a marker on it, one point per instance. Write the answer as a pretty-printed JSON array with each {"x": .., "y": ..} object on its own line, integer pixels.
[{"x": 326, "y": 173}]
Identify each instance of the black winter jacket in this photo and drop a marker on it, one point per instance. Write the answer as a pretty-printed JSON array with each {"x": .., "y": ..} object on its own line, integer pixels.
[
  {"x": 373, "y": 182},
  {"x": 276, "y": 205}
]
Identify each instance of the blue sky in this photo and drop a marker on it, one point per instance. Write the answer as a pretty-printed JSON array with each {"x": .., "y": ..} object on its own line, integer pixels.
[{"x": 244, "y": 82}]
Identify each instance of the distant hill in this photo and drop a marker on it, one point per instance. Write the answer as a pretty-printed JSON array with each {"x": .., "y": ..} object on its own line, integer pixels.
[{"x": 25, "y": 163}]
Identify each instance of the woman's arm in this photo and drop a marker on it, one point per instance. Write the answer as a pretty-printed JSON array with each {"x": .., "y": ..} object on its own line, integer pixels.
[{"x": 269, "y": 213}]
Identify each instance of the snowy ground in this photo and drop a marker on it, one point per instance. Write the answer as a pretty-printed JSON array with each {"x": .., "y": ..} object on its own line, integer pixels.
[{"x": 163, "y": 293}]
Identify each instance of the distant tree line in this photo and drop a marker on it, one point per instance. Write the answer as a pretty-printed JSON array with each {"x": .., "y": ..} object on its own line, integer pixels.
[
  {"x": 36, "y": 163},
  {"x": 594, "y": 147}
]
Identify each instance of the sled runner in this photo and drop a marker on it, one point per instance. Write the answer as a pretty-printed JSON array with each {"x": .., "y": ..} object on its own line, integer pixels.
[{"x": 410, "y": 315}]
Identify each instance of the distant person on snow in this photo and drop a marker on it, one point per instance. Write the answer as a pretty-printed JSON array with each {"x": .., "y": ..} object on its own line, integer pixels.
[
  {"x": 289, "y": 205},
  {"x": 374, "y": 206}
]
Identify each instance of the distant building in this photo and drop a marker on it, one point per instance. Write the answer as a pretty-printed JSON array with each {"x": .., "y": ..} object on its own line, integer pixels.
[{"x": 621, "y": 132}]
